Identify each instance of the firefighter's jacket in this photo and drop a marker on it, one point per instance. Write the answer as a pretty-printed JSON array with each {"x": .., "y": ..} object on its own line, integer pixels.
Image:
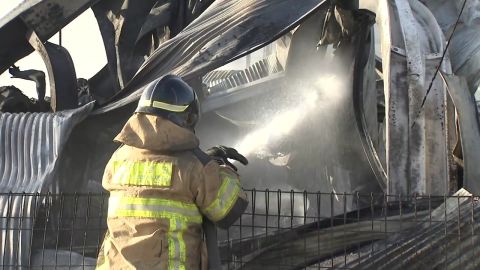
[{"x": 160, "y": 185}]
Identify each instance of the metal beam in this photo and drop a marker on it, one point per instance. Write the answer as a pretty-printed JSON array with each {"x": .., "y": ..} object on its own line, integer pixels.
[{"x": 416, "y": 153}]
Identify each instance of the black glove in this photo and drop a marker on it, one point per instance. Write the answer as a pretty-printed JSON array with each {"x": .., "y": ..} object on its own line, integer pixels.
[{"x": 221, "y": 154}]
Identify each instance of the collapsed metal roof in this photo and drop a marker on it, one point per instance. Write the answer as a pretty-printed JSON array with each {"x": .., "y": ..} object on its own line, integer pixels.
[
  {"x": 45, "y": 135},
  {"x": 197, "y": 49},
  {"x": 246, "y": 25}
]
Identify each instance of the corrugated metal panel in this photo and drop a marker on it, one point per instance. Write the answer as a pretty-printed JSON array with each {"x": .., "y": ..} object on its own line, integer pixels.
[
  {"x": 213, "y": 76},
  {"x": 30, "y": 145},
  {"x": 261, "y": 69},
  {"x": 234, "y": 95}
]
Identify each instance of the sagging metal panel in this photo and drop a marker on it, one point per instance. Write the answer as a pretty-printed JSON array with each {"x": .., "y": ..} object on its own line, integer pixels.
[
  {"x": 30, "y": 145},
  {"x": 469, "y": 130}
]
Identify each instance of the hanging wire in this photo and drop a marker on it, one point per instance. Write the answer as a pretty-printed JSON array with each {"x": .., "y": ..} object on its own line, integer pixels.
[{"x": 440, "y": 64}]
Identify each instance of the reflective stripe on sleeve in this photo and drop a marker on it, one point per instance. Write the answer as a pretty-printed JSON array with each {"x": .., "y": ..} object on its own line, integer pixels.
[
  {"x": 153, "y": 208},
  {"x": 138, "y": 173},
  {"x": 226, "y": 197}
]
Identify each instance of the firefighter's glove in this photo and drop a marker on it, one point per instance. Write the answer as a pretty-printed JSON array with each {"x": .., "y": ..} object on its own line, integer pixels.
[{"x": 221, "y": 154}]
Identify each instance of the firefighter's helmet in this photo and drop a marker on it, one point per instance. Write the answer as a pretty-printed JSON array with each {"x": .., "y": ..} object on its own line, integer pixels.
[{"x": 173, "y": 99}]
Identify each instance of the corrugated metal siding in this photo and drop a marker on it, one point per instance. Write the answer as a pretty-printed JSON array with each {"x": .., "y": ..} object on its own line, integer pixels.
[
  {"x": 261, "y": 69},
  {"x": 29, "y": 148},
  {"x": 213, "y": 76}
]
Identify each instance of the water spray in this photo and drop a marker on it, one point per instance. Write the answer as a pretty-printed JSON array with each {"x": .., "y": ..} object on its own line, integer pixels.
[{"x": 281, "y": 124}]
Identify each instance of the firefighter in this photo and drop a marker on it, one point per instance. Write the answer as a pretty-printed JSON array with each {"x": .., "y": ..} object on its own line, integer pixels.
[{"x": 161, "y": 185}]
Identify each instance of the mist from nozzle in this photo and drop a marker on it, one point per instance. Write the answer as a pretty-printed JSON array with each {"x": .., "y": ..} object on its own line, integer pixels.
[{"x": 319, "y": 95}]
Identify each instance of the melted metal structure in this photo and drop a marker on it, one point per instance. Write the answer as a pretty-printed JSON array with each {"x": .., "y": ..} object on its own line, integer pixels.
[{"x": 339, "y": 144}]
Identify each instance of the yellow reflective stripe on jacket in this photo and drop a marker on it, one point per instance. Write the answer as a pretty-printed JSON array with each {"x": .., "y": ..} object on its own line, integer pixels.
[
  {"x": 106, "y": 248},
  {"x": 226, "y": 197},
  {"x": 177, "y": 253},
  {"x": 102, "y": 266},
  {"x": 163, "y": 105},
  {"x": 178, "y": 213},
  {"x": 142, "y": 173},
  {"x": 153, "y": 208}
]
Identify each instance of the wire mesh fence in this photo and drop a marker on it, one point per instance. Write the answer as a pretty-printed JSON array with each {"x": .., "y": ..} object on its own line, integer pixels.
[{"x": 279, "y": 230}]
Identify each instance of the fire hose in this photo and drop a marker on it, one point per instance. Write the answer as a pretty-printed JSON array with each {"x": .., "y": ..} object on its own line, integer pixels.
[{"x": 214, "y": 260}]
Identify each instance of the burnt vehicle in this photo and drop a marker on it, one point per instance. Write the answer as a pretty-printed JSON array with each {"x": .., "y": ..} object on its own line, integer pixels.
[{"x": 310, "y": 116}]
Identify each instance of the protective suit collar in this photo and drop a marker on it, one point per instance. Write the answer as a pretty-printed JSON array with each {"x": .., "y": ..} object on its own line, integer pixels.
[{"x": 156, "y": 134}]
